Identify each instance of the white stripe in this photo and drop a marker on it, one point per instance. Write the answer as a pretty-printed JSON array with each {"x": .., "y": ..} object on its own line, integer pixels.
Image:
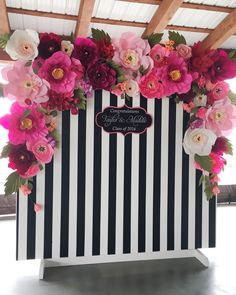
[
  {"x": 135, "y": 186},
  {"x": 178, "y": 174},
  {"x": 56, "y": 216},
  {"x": 164, "y": 173},
  {"x": 119, "y": 188},
  {"x": 89, "y": 176},
  {"x": 40, "y": 198},
  {"x": 205, "y": 219},
  {"x": 149, "y": 178},
  {"x": 104, "y": 181},
  {"x": 73, "y": 185},
  {"x": 22, "y": 226},
  {"x": 191, "y": 205}
]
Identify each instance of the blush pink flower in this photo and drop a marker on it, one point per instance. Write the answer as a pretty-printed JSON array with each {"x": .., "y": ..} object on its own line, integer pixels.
[
  {"x": 32, "y": 171},
  {"x": 151, "y": 86},
  {"x": 57, "y": 71},
  {"x": 37, "y": 207},
  {"x": 41, "y": 149},
  {"x": 201, "y": 113},
  {"x": 131, "y": 51},
  {"x": 218, "y": 92},
  {"x": 23, "y": 85},
  {"x": 184, "y": 51},
  {"x": 221, "y": 118},
  {"x": 159, "y": 54},
  {"x": 25, "y": 190},
  {"x": 215, "y": 190},
  {"x": 175, "y": 75},
  {"x": 22, "y": 126}
]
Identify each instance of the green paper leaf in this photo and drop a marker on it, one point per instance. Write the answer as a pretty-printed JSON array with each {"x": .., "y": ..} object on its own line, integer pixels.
[
  {"x": 208, "y": 189},
  {"x": 56, "y": 137},
  {"x": 54, "y": 113},
  {"x": 232, "y": 97},
  {"x": 72, "y": 38},
  {"x": 177, "y": 38},
  {"x": 154, "y": 38},
  {"x": 42, "y": 110},
  {"x": 99, "y": 35},
  {"x": 1, "y": 90},
  {"x": 12, "y": 183},
  {"x": 26, "y": 113},
  {"x": 3, "y": 40},
  {"x": 28, "y": 64},
  {"x": 231, "y": 53},
  {"x": 5, "y": 151},
  {"x": 204, "y": 161},
  {"x": 201, "y": 180}
]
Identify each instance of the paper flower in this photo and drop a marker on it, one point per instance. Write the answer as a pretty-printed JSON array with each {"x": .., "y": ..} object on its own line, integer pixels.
[
  {"x": 218, "y": 163},
  {"x": 85, "y": 50},
  {"x": 218, "y": 92},
  {"x": 41, "y": 149},
  {"x": 56, "y": 70},
  {"x": 67, "y": 47},
  {"x": 151, "y": 86},
  {"x": 23, "y": 85},
  {"x": 22, "y": 126},
  {"x": 37, "y": 207},
  {"x": 198, "y": 141},
  {"x": 32, "y": 171},
  {"x": 131, "y": 88},
  {"x": 49, "y": 44},
  {"x": 159, "y": 54},
  {"x": 184, "y": 51},
  {"x": 200, "y": 100},
  {"x": 25, "y": 190},
  {"x": 23, "y": 45}
]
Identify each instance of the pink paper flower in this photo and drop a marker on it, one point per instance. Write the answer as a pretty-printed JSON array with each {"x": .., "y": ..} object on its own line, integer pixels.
[
  {"x": 42, "y": 150},
  {"x": 25, "y": 190},
  {"x": 32, "y": 171},
  {"x": 184, "y": 51},
  {"x": 175, "y": 75},
  {"x": 22, "y": 126},
  {"x": 85, "y": 50},
  {"x": 201, "y": 113},
  {"x": 218, "y": 92},
  {"x": 57, "y": 71},
  {"x": 218, "y": 163},
  {"x": 151, "y": 86},
  {"x": 23, "y": 84},
  {"x": 215, "y": 190},
  {"x": 37, "y": 207},
  {"x": 221, "y": 118},
  {"x": 159, "y": 54},
  {"x": 78, "y": 69},
  {"x": 131, "y": 51}
]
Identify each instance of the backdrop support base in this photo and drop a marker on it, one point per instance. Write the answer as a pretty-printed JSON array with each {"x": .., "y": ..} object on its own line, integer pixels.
[{"x": 41, "y": 269}]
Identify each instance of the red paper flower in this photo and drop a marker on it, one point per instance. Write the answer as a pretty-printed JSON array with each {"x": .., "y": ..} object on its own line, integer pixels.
[
  {"x": 85, "y": 50},
  {"x": 49, "y": 44}
]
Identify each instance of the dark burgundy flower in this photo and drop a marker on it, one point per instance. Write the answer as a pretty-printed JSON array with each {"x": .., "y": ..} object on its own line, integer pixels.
[
  {"x": 223, "y": 67},
  {"x": 85, "y": 50},
  {"x": 187, "y": 97},
  {"x": 20, "y": 159},
  {"x": 201, "y": 60},
  {"x": 101, "y": 75},
  {"x": 49, "y": 44},
  {"x": 220, "y": 146},
  {"x": 105, "y": 49}
]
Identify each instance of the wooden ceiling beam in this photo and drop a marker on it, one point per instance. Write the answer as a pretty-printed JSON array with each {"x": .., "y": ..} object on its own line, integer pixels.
[
  {"x": 84, "y": 17},
  {"x": 4, "y": 21},
  {"x": 162, "y": 16},
  {"x": 222, "y": 32},
  {"x": 187, "y": 5}
]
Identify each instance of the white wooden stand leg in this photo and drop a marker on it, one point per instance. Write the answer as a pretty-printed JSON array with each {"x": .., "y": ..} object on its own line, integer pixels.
[
  {"x": 202, "y": 258},
  {"x": 41, "y": 269}
]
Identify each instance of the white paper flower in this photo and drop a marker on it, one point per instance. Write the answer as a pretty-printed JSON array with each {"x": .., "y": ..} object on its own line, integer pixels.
[
  {"x": 23, "y": 45},
  {"x": 199, "y": 141},
  {"x": 132, "y": 88},
  {"x": 67, "y": 47},
  {"x": 200, "y": 100}
]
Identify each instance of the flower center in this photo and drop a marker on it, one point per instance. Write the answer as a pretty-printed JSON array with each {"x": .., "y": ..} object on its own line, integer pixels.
[
  {"x": 41, "y": 149},
  {"x": 175, "y": 75},
  {"x": 151, "y": 84},
  {"x": 131, "y": 58},
  {"x": 219, "y": 116},
  {"x": 26, "y": 48},
  {"x": 22, "y": 157},
  {"x": 58, "y": 73},
  {"x": 28, "y": 84},
  {"x": 198, "y": 138},
  {"x": 51, "y": 48},
  {"x": 26, "y": 124}
]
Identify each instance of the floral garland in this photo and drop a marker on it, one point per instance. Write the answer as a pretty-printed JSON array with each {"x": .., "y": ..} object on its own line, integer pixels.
[{"x": 53, "y": 73}]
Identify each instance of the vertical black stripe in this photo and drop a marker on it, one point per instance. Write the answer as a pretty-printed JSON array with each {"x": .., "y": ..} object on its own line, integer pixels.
[
  {"x": 48, "y": 210},
  {"x": 112, "y": 186},
  {"x": 97, "y": 176},
  {"x": 185, "y": 189},
  {"x": 212, "y": 222},
  {"x": 171, "y": 175},
  {"x": 81, "y": 183},
  {"x": 127, "y": 188},
  {"x": 157, "y": 175},
  {"x": 198, "y": 211},
  {"x": 31, "y": 221},
  {"x": 142, "y": 184},
  {"x": 65, "y": 145},
  {"x": 17, "y": 225}
]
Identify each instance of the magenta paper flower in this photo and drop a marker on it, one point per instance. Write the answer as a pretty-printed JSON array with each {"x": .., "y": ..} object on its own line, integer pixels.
[
  {"x": 175, "y": 75},
  {"x": 32, "y": 171},
  {"x": 41, "y": 149},
  {"x": 218, "y": 92},
  {"x": 131, "y": 52},
  {"x": 221, "y": 118},
  {"x": 56, "y": 70},
  {"x": 159, "y": 54},
  {"x": 23, "y": 85},
  {"x": 22, "y": 126},
  {"x": 218, "y": 163},
  {"x": 85, "y": 50},
  {"x": 151, "y": 86}
]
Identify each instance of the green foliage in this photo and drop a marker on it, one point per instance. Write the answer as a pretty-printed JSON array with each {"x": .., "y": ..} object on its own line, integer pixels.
[
  {"x": 3, "y": 40},
  {"x": 204, "y": 161},
  {"x": 12, "y": 184},
  {"x": 78, "y": 93},
  {"x": 232, "y": 97},
  {"x": 28, "y": 64},
  {"x": 56, "y": 136},
  {"x": 72, "y": 38},
  {"x": 177, "y": 38},
  {"x": 231, "y": 53},
  {"x": 154, "y": 39},
  {"x": 118, "y": 69},
  {"x": 5, "y": 151},
  {"x": 26, "y": 113},
  {"x": 208, "y": 188},
  {"x": 1, "y": 90},
  {"x": 99, "y": 35}
]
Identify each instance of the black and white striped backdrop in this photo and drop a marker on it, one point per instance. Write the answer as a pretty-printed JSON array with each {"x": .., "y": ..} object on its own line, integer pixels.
[{"x": 109, "y": 194}]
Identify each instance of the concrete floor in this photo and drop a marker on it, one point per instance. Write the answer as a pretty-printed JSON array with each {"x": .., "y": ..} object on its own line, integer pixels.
[{"x": 173, "y": 277}]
